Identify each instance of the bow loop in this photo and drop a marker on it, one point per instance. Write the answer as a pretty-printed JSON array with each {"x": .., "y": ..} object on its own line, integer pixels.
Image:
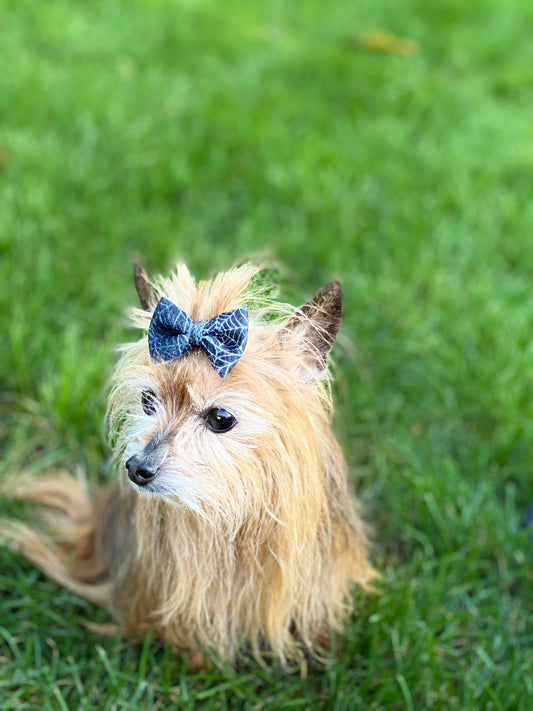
[{"x": 172, "y": 334}]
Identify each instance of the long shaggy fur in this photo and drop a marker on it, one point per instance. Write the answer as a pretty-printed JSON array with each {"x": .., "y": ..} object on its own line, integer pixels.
[{"x": 250, "y": 537}]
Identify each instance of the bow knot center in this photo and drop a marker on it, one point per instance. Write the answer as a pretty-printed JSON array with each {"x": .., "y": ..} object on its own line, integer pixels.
[{"x": 196, "y": 332}]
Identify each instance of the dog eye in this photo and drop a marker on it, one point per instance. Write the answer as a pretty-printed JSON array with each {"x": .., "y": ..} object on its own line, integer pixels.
[
  {"x": 219, "y": 420},
  {"x": 148, "y": 398}
]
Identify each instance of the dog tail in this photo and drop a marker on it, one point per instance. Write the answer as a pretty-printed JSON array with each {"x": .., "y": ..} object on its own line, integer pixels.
[{"x": 61, "y": 539}]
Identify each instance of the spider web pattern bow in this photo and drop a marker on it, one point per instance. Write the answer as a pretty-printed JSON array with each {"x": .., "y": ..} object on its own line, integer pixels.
[{"x": 172, "y": 334}]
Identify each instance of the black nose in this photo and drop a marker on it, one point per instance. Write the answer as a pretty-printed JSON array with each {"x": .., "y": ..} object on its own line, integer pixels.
[{"x": 139, "y": 471}]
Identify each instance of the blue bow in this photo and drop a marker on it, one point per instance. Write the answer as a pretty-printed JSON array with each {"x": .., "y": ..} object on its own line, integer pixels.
[{"x": 172, "y": 334}]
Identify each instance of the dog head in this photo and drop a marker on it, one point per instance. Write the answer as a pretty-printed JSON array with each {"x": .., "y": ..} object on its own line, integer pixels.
[{"x": 253, "y": 443}]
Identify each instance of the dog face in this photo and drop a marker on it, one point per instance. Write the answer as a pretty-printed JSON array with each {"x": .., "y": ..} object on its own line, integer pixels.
[{"x": 195, "y": 437}]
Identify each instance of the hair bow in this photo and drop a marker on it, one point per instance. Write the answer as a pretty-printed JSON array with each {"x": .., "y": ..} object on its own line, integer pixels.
[{"x": 172, "y": 334}]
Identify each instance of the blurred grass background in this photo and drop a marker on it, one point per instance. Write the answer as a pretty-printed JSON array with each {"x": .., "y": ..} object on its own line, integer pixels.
[{"x": 386, "y": 144}]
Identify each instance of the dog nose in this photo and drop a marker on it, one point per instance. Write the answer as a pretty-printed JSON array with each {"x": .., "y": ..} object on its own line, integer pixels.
[{"x": 139, "y": 472}]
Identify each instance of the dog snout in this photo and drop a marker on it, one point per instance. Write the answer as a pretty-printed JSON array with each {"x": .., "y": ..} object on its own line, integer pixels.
[{"x": 140, "y": 472}]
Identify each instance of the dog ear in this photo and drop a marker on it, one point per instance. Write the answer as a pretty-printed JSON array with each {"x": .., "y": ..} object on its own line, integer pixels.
[
  {"x": 146, "y": 294},
  {"x": 317, "y": 322}
]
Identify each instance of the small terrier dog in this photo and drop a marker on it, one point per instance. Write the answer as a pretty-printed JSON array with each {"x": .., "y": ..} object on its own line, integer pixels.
[{"x": 230, "y": 523}]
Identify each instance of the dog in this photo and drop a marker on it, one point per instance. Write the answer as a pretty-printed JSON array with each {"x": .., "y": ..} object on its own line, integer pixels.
[{"x": 229, "y": 525}]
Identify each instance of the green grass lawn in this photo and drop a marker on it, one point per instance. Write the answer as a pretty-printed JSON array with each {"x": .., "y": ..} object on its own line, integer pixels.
[{"x": 207, "y": 132}]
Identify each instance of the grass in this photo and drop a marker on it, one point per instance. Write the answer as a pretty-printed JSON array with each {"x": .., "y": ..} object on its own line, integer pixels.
[{"x": 207, "y": 132}]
